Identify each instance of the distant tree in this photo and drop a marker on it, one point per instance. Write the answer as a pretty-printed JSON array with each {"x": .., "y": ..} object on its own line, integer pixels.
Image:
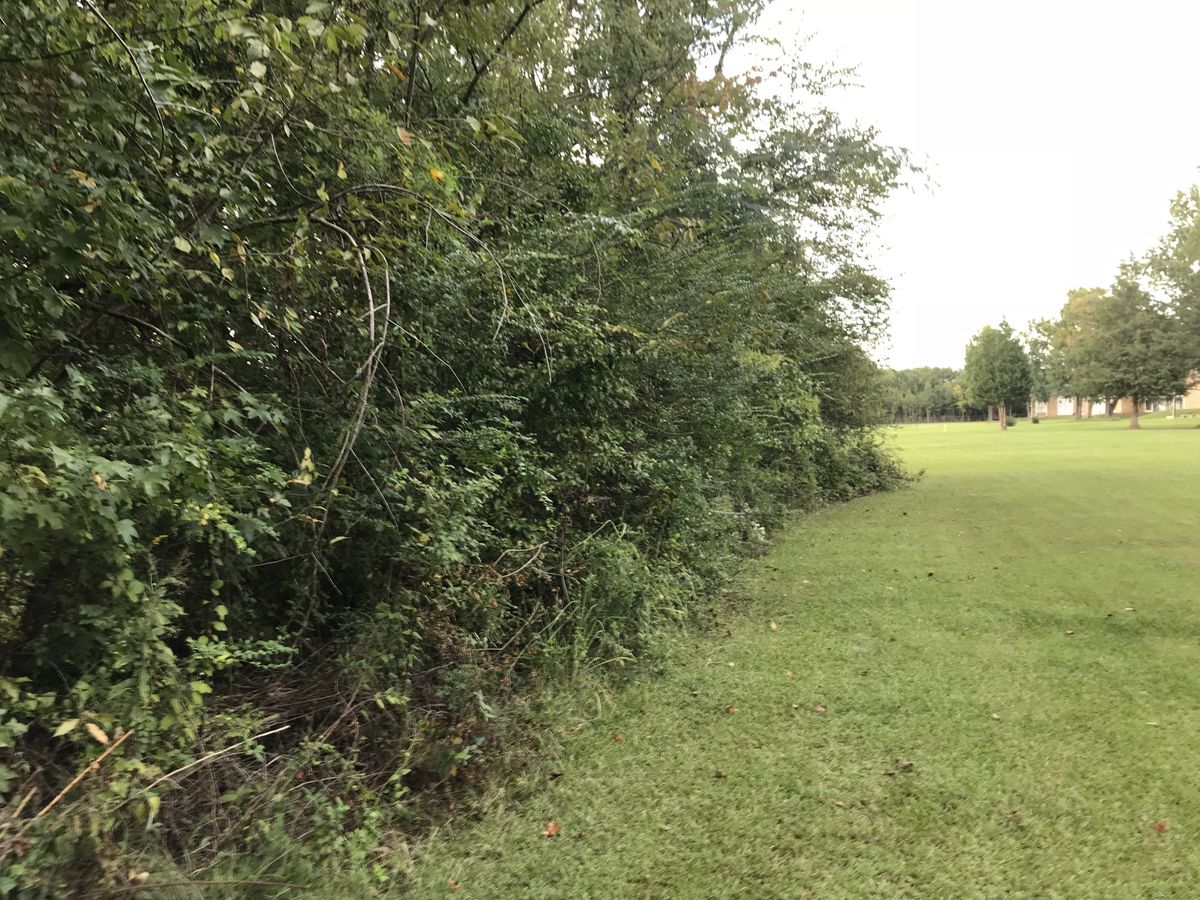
[
  {"x": 1045, "y": 363},
  {"x": 1174, "y": 267},
  {"x": 997, "y": 371},
  {"x": 1136, "y": 350},
  {"x": 1072, "y": 336}
]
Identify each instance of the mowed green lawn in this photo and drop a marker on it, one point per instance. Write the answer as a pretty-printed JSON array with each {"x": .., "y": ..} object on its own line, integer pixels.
[{"x": 1008, "y": 656}]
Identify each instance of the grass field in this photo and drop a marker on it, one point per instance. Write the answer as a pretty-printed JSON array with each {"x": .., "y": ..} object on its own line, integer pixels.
[{"x": 1008, "y": 659}]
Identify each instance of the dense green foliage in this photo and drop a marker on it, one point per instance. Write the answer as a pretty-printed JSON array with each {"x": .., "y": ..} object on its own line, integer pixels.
[
  {"x": 997, "y": 371},
  {"x": 361, "y": 361}
]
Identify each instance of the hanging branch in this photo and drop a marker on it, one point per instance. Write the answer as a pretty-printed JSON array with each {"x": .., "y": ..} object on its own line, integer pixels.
[{"x": 372, "y": 362}]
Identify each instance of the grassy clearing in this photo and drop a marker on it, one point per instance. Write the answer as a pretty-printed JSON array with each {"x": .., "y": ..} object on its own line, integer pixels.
[{"x": 915, "y": 619}]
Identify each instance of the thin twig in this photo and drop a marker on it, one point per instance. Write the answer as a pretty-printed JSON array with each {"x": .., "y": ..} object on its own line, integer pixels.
[
  {"x": 504, "y": 39},
  {"x": 90, "y": 767}
]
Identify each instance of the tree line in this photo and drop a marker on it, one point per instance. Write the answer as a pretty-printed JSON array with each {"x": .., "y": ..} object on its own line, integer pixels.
[
  {"x": 924, "y": 394},
  {"x": 364, "y": 365}
]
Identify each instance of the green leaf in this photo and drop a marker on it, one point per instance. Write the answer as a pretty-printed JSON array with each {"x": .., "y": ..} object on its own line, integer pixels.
[
  {"x": 182, "y": 244},
  {"x": 66, "y": 727}
]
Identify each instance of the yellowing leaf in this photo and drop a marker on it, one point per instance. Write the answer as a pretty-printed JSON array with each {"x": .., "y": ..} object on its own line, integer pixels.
[
  {"x": 83, "y": 178},
  {"x": 322, "y": 194},
  {"x": 341, "y": 172},
  {"x": 552, "y": 829},
  {"x": 96, "y": 732},
  {"x": 99, "y": 479},
  {"x": 66, "y": 727},
  {"x": 397, "y": 71},
  {"x": 437, "y": 175},
  {"x": 183, "y": 245},
  {"x": 405, "y": 137}
]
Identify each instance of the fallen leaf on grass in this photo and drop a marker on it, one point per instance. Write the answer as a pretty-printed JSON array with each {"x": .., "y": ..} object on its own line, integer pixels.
[
  {"x": 731, "y": 664},
  {"x": 795, "y": 706},
  {"x": 453, "y": 885},
  {"x": 1130, "y": 609},
  {"x": 617, "y": 738},
  {"x": 818, "y": 708},
  {"x": 731, "y": 709},
  {"x": 551, "y": 830},
  {"x": 718, "y": 774},
  {"x": 1160, "y": 827},
  {"x": 839, "y": 803},
  {"x": 788, "y": 674},
  {"x": 996, "y": 716},
  {"x": 903, "y": 764},
  {"x": 1152, "y": 724},
  {"x": 1068, "y": 632},
  {"x": 774, "y": 627}
]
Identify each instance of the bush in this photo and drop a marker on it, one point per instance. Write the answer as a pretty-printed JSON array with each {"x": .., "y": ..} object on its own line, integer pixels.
[
  {"x": 1010, "y": 421},
  {"x": 341, "y": 404},
  {"x": 1034, "y": 420}
]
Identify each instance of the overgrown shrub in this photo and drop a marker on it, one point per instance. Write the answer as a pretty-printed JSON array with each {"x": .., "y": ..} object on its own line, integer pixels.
[{"x": 361, "y": 363}]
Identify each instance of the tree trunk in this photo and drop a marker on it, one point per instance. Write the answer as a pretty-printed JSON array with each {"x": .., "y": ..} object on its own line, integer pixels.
[
  {"x": 1133, "y": 416},
  {"x": 1108, "y": 408},
  {"x": 1091, "y": 403},
  {"x": 991, "y": 418},
  {"x": 1003, "y": 416},
  {"x": 1078, "y": 407}
]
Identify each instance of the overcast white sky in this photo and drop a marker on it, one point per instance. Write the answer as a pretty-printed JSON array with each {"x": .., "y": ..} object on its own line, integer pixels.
[{"x": 1056, "y": 134}]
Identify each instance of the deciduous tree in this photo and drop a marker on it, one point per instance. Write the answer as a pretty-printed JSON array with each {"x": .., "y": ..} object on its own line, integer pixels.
[{"x": 997, "y": 370}]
